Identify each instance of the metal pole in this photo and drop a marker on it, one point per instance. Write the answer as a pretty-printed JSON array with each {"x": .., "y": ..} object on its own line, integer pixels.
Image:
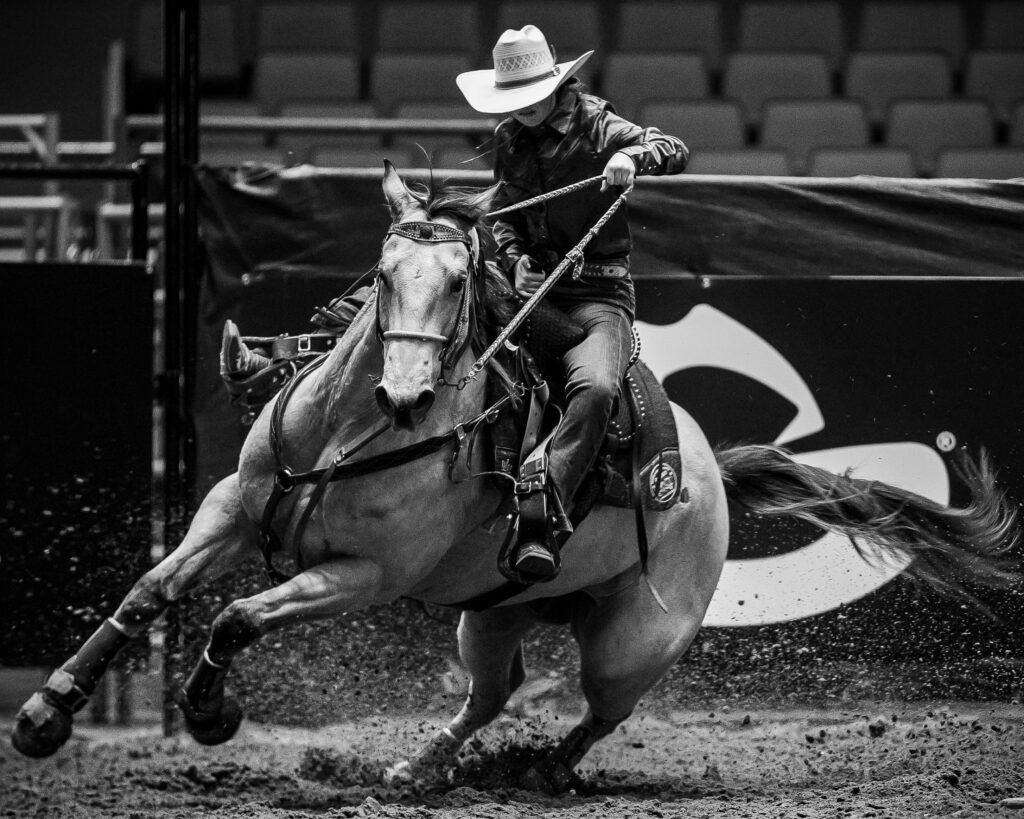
[
  {"x": 140, "y": 211},
  {"x": 172, "y": 337},
  {"x": 190, "y": 256},
  {"x": 181, "y": 140}
]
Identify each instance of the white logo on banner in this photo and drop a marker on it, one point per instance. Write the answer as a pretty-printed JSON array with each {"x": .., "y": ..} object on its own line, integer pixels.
[{"x": 824, "y": 574}]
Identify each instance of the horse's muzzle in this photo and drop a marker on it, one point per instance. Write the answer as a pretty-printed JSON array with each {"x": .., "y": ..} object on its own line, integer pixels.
[{"x": 406, "y": 411}]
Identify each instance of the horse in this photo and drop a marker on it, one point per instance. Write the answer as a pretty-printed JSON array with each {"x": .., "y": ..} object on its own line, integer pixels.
[{"x": 397, "y": 383}]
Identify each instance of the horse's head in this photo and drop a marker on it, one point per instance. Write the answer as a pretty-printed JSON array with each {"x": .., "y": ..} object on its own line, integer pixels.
[{"x": 429, "y": 272}]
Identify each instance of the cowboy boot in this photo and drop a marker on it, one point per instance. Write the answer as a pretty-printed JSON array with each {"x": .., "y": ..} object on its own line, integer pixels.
[
  {"x": 237, "y": 361},
  {"x": 544, "y": 528}
]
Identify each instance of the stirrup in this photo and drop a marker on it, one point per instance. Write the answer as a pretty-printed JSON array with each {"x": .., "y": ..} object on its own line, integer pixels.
[{"x": 535, "y": 562}]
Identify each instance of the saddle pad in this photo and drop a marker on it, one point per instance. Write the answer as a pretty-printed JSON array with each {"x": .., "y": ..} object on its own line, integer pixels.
[{"x": 645, "y": 423}]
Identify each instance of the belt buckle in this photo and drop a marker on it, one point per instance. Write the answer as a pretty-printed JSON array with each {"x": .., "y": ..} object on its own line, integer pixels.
[{"x": 304, "y": 344}]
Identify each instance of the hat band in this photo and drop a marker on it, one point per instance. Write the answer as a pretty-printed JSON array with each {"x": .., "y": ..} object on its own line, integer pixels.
[{"x": 526, "y": 80}]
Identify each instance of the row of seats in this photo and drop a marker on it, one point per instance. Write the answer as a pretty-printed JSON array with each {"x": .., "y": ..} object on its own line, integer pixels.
[
  {"x": 796, "y": 127},
  {"x": 631, "y": 79},
  {"x": 234, "y": 32},
  {"x": 951, "y": 163}
]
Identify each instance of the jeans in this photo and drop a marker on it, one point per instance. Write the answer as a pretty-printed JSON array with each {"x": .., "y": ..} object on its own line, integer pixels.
[{"x": 595, "y": 368}]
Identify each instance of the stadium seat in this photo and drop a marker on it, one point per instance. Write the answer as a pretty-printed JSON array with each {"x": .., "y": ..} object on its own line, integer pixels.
[
  {"x": 980, "y": 163},
  {"x": 740, "y": 161},
  {"x": 927, "y": 126},
  {"x": 668, "y": 25},
  {"x": 571, "y": 26},
  {"x": 752, "y": 78},
  {"x": 798, "y": 126},
  {"x": 220, "y": 107},
  {"x": 410, "y": 76},
  {"x": 700, "y": 124},
  {"x": 303, "y": 142},
  {"x": 236, "y": 155},
  {"x": 286, "y": 25},
  {"x": 220, "y": 47},
  {"x": 440, "y": 110},
  {"x": 892, "y": 162},
  {"x": 997, "y": 77},
  {"x": 437, "y": 109},
  {"x": 1002, "y": 24},
  {"x": 283, "y": 76},
  {"x": 452, "y": 156},
  {"x": 333, "y": 156},
  {"x": 876, "y": 78},
  {"x": 1017, "y": 124},
  {"x": 439, "y": 25},
  {"x": 816, "y": 25},
  {"x": 914, "y": 26},
  {"x": 631, "y": 79}
]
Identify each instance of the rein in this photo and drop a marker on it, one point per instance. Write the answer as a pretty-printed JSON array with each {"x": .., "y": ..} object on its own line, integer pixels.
[{"x": 574, "y": 257}]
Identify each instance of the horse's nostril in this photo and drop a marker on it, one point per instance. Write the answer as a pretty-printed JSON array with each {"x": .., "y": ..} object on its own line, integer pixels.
[
  {"x": 384, "y": 401},
  {"x": 424, "y": 402}
]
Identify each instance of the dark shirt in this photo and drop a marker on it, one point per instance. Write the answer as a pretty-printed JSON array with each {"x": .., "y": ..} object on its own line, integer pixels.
[{"x": 574, "y": 143}]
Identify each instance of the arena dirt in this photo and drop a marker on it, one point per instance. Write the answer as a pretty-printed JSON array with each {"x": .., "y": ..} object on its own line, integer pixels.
[{"x": 877, "y": 760}]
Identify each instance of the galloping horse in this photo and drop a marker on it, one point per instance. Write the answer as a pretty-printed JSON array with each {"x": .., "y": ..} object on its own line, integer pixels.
[{"x": 410, "y": 531}]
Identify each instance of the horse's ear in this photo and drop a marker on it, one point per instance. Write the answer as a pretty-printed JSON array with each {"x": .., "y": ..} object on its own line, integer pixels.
[{"x": 400, "y": 200}]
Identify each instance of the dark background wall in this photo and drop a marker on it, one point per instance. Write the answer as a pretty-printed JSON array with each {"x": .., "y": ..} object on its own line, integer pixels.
[{"x": 52, "y": 58}]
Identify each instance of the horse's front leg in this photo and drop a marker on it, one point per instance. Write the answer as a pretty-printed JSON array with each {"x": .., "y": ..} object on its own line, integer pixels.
[
  {"x": 219, "y": 537},
  {"x": 490, "y": 646},
  {"x": 328, "y": 589}
]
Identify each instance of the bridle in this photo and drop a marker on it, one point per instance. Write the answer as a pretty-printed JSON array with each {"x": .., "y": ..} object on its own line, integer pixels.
[{"x": 434, "y": 233}]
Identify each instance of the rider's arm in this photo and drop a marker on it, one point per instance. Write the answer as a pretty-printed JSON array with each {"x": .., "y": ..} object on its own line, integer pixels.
[
  {"x": 653, "y": 152},
  {"x": 509, "y": 231}
]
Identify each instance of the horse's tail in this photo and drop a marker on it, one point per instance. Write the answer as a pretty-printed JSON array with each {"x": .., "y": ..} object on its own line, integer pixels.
[{"x": 952, "y": 548}]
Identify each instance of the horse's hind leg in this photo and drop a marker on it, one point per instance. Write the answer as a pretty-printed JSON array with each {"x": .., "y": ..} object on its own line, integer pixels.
[
  {"x": 490, "y": 646},
  {"x": 628, "y": 641},
  {"x": 218, "y": 537}
]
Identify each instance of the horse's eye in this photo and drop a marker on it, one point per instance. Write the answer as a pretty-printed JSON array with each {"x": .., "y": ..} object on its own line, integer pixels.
[{"x": 458, "y": 284}]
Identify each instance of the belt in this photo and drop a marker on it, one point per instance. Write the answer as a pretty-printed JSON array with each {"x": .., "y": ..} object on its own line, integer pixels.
[{"x": 605, "y": 270}]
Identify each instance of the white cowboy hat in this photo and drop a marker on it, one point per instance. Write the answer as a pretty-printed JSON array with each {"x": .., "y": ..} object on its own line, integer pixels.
[{"x": 524, "y": 73}]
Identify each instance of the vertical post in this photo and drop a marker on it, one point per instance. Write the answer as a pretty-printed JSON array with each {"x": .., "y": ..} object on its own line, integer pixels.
[
  {"x": 171, "y": 379},
  {"x": 181, "y": 59},
  {"x": 191, "y": 262},
  {"x": 140, "y": 211}
]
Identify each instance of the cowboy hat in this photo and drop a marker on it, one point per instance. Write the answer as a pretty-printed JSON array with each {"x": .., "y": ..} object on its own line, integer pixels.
[{"x": 524, "y": 73}]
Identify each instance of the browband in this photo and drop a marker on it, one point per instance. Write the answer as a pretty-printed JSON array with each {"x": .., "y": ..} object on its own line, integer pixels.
[{"x": 430, "y": 232}]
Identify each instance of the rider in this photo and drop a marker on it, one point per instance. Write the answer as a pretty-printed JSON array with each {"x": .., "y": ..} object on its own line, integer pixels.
[{"x": 555, "y": 134}]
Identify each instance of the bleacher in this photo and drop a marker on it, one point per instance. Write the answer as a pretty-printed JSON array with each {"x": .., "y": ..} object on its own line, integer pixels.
[
  {"x": 877, "y": 82},
  {"x": 910, "y": 88}
]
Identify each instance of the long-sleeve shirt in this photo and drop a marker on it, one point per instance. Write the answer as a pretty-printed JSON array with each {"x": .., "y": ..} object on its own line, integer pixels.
[{"x": 574, "y": 143}]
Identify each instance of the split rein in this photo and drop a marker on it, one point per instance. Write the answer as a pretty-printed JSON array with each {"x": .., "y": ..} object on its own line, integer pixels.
[{"x": 285, "y": 480}]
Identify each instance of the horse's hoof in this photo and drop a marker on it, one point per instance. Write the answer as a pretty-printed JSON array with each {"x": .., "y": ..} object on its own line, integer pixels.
[
  {"x": 216, "y": 729},
  {"x": 40, "y": 728},
  {"x": 553, "y": 778}
]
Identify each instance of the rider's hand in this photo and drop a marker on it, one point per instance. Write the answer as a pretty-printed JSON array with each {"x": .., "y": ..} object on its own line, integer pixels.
[
  {"x": 528, "y": 276},
  {"x": 620, "y": 170}
]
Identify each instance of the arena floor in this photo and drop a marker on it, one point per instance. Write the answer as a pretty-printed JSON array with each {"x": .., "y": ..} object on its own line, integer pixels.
[{"x": 877, "y": 759}]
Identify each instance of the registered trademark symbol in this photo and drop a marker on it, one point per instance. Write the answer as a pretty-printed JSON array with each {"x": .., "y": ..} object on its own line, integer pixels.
[{"x": 945, "y": 441}]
